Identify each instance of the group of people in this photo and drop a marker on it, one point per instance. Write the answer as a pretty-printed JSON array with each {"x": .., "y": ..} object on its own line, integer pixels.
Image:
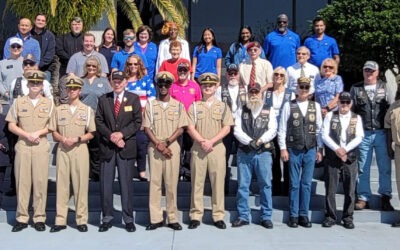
[{"x": 141, "y": 103}]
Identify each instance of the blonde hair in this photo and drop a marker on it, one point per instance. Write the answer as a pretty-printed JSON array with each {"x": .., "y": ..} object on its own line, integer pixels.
[
  {"x": 97, "y": 62},
  {"x": 334, "y": 64}
]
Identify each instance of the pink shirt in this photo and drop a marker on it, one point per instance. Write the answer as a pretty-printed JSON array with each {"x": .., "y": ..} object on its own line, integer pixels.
[{"x": 186, "y": 94}]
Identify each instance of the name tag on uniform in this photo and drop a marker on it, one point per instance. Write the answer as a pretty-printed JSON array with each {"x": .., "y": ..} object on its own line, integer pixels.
[
  {"x": 45, "y": 110},
  {"x": 128, "y": 108}
]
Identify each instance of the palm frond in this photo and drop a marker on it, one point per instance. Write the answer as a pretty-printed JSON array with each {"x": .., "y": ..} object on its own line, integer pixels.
[
  {"x": 111, "y": 13},
  {"x": 169, "y": 11},
  {"x": 53, "y": 7},
  {"x": 131, "y": 11}
]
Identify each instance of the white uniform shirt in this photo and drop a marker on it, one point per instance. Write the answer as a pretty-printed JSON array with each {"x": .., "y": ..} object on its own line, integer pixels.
[{"x": 294, "y": 73}]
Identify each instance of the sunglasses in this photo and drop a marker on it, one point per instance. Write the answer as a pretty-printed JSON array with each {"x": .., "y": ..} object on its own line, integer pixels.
[
  {"x": 34, "y": 83},
  {"x": 165, "y": 84},
  {"x": 328, "y": 67},
  {"x": 91, "y": 66},
  {"x": 135, "y": 64},
  {"x": 369, "y": 70},
  {"x": 16, "y": 46},
  {"x": 345, "y": 102},
  {"x": 254, "y": 92},
  {"x": 304, "y": 87},
  {"x": 129, "y": 37},
  {"x": 183, "y": 70},
  {"x": 29, "y": 63},
  {"x": 279, "y": 74},
  {"x": 232, "y": 73},
  {"x": 301, "y": 53},
  {"x": 284, "y": 22}
]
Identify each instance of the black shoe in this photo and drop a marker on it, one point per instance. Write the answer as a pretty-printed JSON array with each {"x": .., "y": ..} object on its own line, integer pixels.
[
  {"x": 348, "y": 224},
  {"x": 19, "y": 227},
  {"x": 267, "y": 224},
  {"x": 293, "y": 222},
  {"x": 57, "y": 228},
  {"x": 10, "y": 193},
  {"x": 304, "y": 221},
  {"x": 175, "y": 226},
  {"x": 193, "y": 224},
  {"x": 154, "y": 226},
  {"x": 82, "y": 228},
  {"x": 104, "y": 227},
  {"x": 130, "y": 227},
  {"x": 396, "y": 224},
  {"x": 385, "y": 203},
  {"x": 39, "y": 226},
  {"x": 220, "y": 224},
  {"x": 239, "y": 223},
  {"x": 328, "y": 222}
]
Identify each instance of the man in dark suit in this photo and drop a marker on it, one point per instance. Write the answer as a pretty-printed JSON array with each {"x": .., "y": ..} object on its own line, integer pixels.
[{"x": 118, "y": 117}]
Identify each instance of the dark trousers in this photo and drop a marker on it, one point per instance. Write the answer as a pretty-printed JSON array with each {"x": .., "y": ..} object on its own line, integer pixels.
[
  {"x": 142, "y": 142},
  {"x": 2, "y": 174},
  {"x": 94, "y": 151},
  {"x": 335, "y": 169},
  {"x": 279, "y": 188},
  {"x": 107, "y": 176},
  {"x": 230, "y": 144},
  {"x": 186, "y": 142}
]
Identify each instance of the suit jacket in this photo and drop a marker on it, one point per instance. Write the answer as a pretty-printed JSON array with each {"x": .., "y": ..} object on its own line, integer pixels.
[{"x": 128, "y": 122}]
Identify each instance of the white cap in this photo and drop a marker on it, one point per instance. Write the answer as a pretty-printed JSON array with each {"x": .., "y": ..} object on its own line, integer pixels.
[{"x": 16, "y": 40}]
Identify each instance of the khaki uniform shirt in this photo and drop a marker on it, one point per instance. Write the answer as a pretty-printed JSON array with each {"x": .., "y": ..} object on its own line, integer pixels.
[{"x": 392, "y": 121}]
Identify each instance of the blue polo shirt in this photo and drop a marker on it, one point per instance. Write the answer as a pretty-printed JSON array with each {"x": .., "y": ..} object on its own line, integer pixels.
[
  {"x": 321, "y": 49},
  {"x": 151, "y": 56},
  {"x": 281, "y": 48},
  {"x": 31, "y": 46},
  {"x": 206, "y": 61},
  {"x": 119, "y": 59}
]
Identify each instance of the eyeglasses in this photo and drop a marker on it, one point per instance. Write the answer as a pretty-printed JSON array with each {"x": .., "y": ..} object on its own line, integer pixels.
[
  {"x": 369, "y": 70},
  {"x": 345, "y": 102},
  {"x": 183, "y": 70},
  {"x": 328, "y": 67},
  {"x": 91, "y": 66},
  {"x": 304, "y": 87},
  {"x": 254, "y": 92},
  {"x": 16, "y": 46},
  {"x": 29, "y": 63},
  {"x": 253, "y": 49},
  {"x": 232, "y": 73},
  {"x": 134, "y": 64},
  {"x": 301, "y": 53},
  {"x": 279, "y": 74},
  {"x": 129, "y": 37}
]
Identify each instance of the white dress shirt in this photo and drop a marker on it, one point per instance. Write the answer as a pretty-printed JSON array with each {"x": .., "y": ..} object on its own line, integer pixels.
[
  {"x": 233, "y": 92},
  {"x": 268, "y": 135},
  {"x": 294, "y": 73},
  {"x": 285, "y": 114},
  {"x": 344, "y": 123}
]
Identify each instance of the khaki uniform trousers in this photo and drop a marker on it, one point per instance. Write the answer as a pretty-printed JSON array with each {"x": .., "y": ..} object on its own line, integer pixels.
[
  {"x": 72, "y": 165},
  {"x": 31, "y": 170},
  {"x": 397, "y": 166},
  {"x": 167, "y": 169},
  {"x": 214, "y": 162}
]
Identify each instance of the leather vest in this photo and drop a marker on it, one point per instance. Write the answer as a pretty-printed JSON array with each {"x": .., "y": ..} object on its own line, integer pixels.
[
  {"x": 301, "y": 130},
  {"x": 226, "y": 97},
  {"x": 335, "y": 132},
  {"x": 372, "y": 112},
  {"x": 256, "y": 127}
]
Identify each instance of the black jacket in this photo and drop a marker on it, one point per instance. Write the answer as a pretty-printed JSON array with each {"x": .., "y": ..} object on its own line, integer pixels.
[{"x": 47, "y": 47}]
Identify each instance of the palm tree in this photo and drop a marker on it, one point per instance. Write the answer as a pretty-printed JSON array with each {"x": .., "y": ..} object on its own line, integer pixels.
[{"x": 60, "y": 12}]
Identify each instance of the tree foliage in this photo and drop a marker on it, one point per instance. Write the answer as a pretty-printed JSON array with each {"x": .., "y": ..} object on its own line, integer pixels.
[
  {"x": 60, "y": 12},
  {"x": 365, "y": 30}
]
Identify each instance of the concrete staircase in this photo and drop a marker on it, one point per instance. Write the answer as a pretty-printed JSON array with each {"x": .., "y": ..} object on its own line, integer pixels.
[{"x": 280, "y": 203}]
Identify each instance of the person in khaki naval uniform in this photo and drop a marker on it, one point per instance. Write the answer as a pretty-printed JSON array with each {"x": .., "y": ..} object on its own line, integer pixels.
[
  {"x": 28, "y": 118},
  {"x": 210, "y": 121},
  {"x": 392, "y": 125},
  {"x": 164, "y": 119},
  {"x": 73, "y": 126}
]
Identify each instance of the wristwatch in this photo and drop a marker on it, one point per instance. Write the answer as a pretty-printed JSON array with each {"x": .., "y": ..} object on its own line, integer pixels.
[
  {"x": 79, "y": 139},
  {"x": 168, "y": 143}
]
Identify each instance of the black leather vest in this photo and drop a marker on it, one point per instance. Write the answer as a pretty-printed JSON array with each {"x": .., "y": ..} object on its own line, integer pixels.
[
  {"x": 335, "y": 132},
  {"x": 372, "y": 112},
  {"x": 301, "y": 130},
  {"x": 226, "y": 97},
  {"x": 256, "y": 127}
]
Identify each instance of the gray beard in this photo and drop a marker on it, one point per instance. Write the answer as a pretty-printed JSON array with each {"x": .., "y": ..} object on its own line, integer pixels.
[
  {"x": 254, "y": 104},
  {"x": 233, "y": 82}
]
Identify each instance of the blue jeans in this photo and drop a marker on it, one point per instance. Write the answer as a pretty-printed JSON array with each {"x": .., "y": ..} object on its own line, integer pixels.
[
  {"x": 374, "y": 140},
  {"x": 301, "y": 170},
  {"x": 261, "y": 164}
]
